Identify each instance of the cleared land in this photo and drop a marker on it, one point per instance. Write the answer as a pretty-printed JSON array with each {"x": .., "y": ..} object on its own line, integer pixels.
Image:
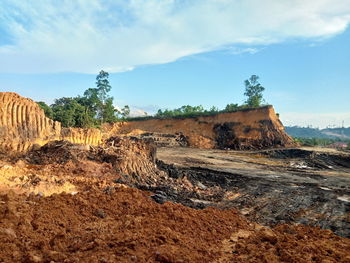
[
  {"x": 309, "y": 186},
  {"x": 103, "y": 217}
]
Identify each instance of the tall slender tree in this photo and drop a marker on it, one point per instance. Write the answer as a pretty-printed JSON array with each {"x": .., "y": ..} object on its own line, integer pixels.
[{"x": 253, "y": 91}]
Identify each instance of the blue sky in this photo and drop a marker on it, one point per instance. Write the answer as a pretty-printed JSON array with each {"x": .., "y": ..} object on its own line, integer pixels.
[{"x": 165, "y": 54}]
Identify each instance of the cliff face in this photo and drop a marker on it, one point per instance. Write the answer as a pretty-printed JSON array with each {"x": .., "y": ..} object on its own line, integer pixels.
[
  {"x": 82, "y": 136},
  {"x": 250, "y": 129},
  {"x": 23, "y": 124}
]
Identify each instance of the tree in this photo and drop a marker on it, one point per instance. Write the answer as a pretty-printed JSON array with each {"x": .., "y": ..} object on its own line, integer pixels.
[
  {"x": 214, "y": 109},
  {"x": 253, "y": 90},
  {"x": 67, "y": 111},
  {"x": 47, "y": 110},
  {"x": 90, "y": 110},
  {"x": 97, "y": 100},
  {"x": 126, "y": 111},
  {"x": 103, "y": 86},
  {"x": 108, "y": 111},
  {"x": 231, "y": 107}
]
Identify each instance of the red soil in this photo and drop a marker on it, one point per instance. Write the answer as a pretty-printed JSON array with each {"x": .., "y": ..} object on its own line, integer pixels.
[
  {"x": 126, "y": 225},
  {"x": 122, "y": 226}
]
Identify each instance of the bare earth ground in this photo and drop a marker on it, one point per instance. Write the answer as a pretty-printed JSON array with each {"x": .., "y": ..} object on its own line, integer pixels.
[
  {"x": 274, "y": 186},
  {"x": 79, "y": 209}
]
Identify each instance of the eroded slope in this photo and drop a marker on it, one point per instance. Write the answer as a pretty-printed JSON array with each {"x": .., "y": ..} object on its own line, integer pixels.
[
  {"x": 23, "y": 124},
  {"x": 246, "y": 129}
]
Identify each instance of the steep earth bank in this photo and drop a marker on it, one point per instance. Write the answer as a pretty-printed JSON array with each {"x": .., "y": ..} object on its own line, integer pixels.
[
  {"x": 246, "y": 129},
  {"x": 23, "y": 125}
]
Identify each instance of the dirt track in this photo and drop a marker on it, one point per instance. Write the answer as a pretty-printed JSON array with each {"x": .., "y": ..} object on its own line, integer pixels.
[{"x": 102, "y": 218}]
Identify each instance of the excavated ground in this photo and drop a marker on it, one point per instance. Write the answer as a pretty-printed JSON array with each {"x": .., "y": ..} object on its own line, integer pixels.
[
  {"x": 70, "y": 203},
  {"x": 270, "y": 187}
]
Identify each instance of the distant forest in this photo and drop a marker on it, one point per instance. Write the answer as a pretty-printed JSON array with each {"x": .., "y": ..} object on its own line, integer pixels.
[
  {"x": 319, "y": 137},
  {"x": 328, "y": 133}
]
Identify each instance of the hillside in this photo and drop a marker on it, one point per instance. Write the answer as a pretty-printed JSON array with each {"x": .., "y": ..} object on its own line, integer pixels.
[
  {"x": 247, "y": 129},
  {"x": 328, "y": 133}
]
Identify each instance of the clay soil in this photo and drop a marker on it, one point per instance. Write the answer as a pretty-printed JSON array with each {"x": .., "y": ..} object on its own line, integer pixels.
[{"x": 77, "y": 209}]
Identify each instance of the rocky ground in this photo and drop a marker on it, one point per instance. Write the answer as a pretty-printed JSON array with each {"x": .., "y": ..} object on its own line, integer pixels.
[{"x": 71, "y": 203}]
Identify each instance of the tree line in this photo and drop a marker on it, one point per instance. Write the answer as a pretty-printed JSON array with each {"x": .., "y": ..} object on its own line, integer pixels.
[
  {"x": 92, "y": 109},
  {"x": 95, "y": 106},
  {"x": 253, "y": 92}
]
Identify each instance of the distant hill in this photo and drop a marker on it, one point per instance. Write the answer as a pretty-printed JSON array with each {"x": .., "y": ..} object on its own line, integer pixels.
[{"x": 328, "y": 133}]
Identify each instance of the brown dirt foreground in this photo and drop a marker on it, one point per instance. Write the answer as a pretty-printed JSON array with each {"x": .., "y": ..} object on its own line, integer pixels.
[{"x": 126, "y": 225}]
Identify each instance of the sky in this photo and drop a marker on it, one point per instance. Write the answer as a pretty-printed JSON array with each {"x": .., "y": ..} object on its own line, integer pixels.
[{"x": 169, "y": 53}]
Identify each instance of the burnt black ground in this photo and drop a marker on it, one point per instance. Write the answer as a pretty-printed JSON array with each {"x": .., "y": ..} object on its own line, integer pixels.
[{"x": 269, "y": 187}]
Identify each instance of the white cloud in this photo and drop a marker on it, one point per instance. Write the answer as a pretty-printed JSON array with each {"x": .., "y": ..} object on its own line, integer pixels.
[
  {"x": 118, "y": 35},
  {"x": 137, "y": 113},
  {"x": 237, "y": 50},
  {"x": 320, "y": 120}
]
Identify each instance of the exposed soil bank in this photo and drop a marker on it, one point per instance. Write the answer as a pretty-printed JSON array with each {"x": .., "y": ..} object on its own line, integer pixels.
[
  {"x": 247, "y": 129},
  {"x": 23, "y": 125}
]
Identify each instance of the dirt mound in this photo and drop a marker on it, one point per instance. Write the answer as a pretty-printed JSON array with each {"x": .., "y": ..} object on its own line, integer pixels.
[
  {"x": 125, "y": 225},
  {"x": 103, "y": 220},
  {"x": 130, "y": 156},
  {"x": 59, "y": 152},
  {"x": 122, "y": 226},
  {"x": 248, "y": 129},
  {"x": 286, "y": 243}
]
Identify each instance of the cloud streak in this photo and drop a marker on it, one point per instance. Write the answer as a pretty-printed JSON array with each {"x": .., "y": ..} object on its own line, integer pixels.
[{"x": 86, "y": 35}]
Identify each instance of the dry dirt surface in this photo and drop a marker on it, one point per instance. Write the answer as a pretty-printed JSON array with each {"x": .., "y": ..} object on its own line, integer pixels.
[
  {"x": 69, "y": 203},
  {"x": 270, "y": 187}
]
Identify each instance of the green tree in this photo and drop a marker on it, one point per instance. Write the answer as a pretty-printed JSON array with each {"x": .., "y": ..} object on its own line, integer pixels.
[
  {"x": 108, "y": 111},
  {"x": 98, "y": 102},
  {"x": 126, "y": 111},
  {"x": 253, "y": 90},
  {"x": 214, "y": 109},
  {"x": 231, "y": 107},
  {"x": 103, "y": 86},
  {"x": 47, "y": 110},
  {"x": 65, "y": 111},
  {"x": 90, "y": 110}
]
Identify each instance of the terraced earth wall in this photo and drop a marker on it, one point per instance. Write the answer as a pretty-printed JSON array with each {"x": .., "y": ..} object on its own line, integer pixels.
[{"x": 23, "y": 124}]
